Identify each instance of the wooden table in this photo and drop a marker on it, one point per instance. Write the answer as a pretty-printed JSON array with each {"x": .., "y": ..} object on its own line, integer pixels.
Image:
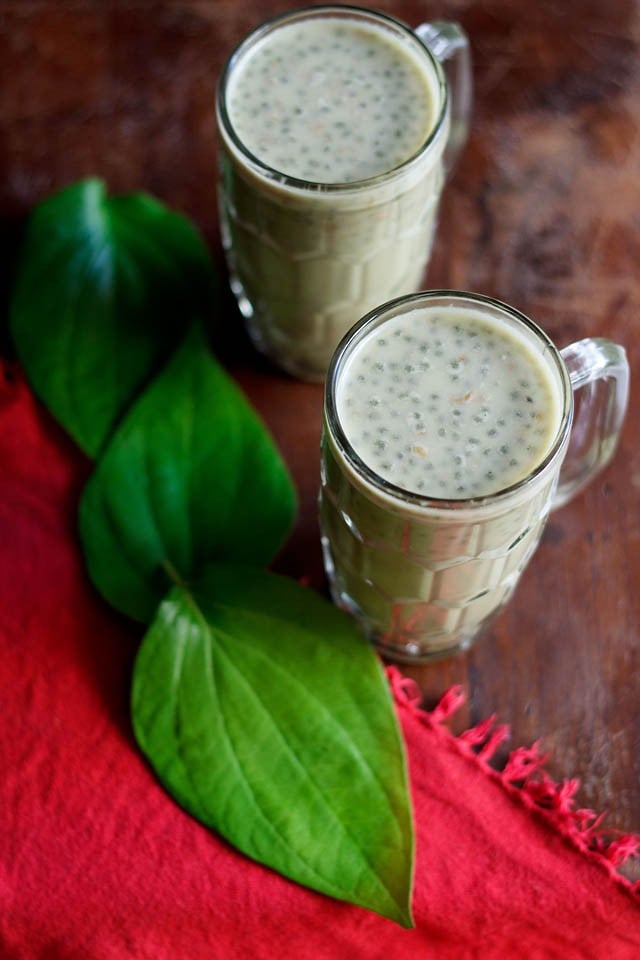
[{"x": 543, "y": 211}]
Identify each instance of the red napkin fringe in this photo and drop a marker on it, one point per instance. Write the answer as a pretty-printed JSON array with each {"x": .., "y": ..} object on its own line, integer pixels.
[{"x": 523, "y": 776}]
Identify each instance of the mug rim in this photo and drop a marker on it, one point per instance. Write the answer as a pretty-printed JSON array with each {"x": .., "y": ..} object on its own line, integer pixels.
[
  {"x": 339, "y": 11},
  {"x": 407, "y": 497}
]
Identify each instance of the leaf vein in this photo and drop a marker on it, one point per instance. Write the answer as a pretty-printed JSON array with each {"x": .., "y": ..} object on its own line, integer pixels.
[
  {"x": 344, "y": 830},
  {"x": 318, "y": 705},
  {"x": 272, "y": 828}
]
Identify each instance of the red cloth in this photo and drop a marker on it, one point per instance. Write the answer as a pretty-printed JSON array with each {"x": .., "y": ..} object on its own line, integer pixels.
[{"x": 98, "y": 863}]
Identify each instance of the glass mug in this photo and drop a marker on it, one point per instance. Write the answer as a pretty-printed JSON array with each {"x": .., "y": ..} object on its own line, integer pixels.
[
  {"x": 306, "y": 256},
  {"x": 423, "y": 575}
]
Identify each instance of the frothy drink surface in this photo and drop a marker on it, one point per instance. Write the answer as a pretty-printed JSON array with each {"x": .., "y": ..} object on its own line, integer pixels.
[
  {"x": 331, "y": 101},
  {"x": 448, "y": 403}
]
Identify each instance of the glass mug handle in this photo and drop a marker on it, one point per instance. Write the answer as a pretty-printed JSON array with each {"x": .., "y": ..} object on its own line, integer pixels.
[
  {"x": 450, "y": 46},
  {"x": 599, "y": 374}
]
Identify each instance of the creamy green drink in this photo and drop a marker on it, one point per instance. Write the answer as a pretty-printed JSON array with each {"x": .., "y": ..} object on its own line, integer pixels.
[
  {"x": 332, "y": 101},
  {"x": 448, "y": 404},
  {"x": 333, "y": 124},
  {"x": 446, "y": 424}
]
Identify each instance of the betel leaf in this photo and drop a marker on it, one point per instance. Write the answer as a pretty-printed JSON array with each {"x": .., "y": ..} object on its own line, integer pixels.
[
  {"x": 105, "y": 288},
  {"x": 268, "y": 718},
  {"x": 190, "y": 476}
]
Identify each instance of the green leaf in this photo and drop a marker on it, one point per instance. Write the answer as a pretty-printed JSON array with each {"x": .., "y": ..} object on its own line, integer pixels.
[
  {"x": 105, "y": 289},
  {"x": 190, "y": 476},
  {"x": 267, "y": 717}
]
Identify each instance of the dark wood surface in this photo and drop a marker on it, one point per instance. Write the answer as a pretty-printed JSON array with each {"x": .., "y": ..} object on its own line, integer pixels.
[{"x": 543, "y": 211}]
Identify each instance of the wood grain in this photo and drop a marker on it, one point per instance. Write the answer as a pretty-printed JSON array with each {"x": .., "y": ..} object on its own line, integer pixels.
[{"x": 543, "y": 211}]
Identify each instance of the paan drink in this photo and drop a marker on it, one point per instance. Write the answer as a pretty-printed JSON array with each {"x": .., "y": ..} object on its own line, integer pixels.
[
  {"x": 333, "y": 124},
  {"x": 448, "y": 403},
  {"x": 447, "y": 420}
]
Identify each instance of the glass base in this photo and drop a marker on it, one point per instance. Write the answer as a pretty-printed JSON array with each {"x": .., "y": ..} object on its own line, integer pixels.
[
  {"x": 417, "y": 652},
  {"x": 284, "y": 359},
  {"x": 284, "y": 355},
  {"x": 421, "y": 648}
]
